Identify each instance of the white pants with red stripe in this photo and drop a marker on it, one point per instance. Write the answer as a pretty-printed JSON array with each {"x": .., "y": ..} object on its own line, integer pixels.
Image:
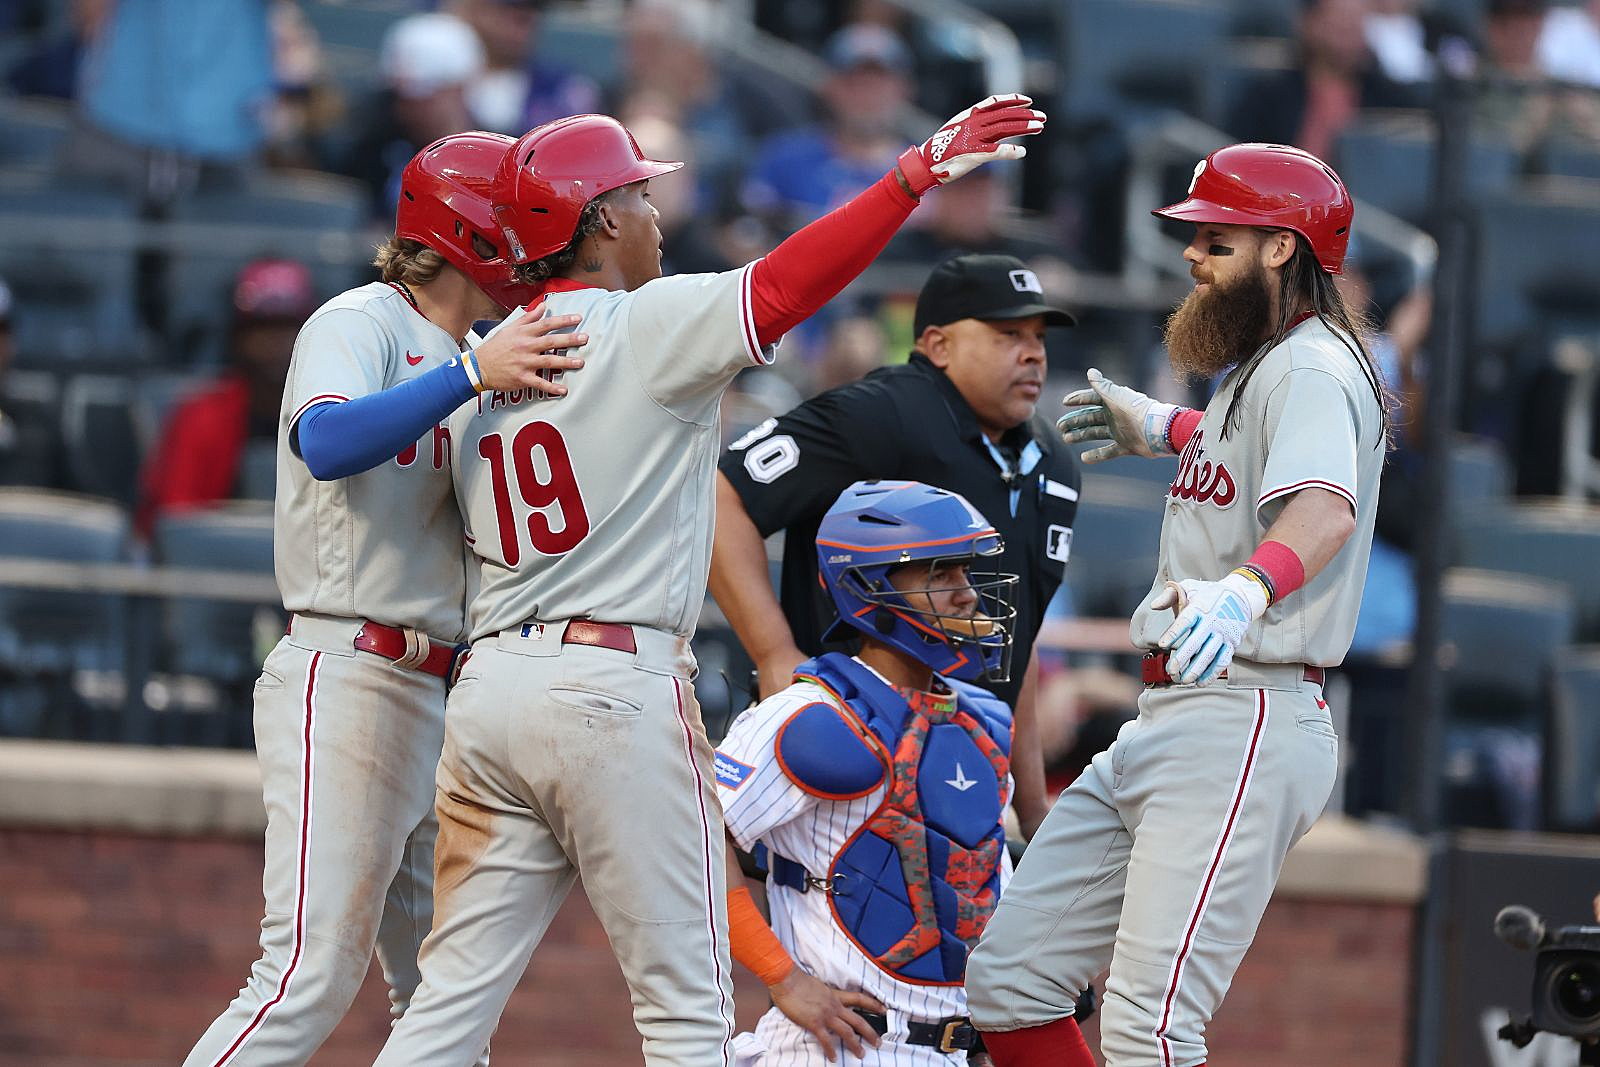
[
  {"x": 1159, "y": 862},
  {"x": 562, "y": 760},
  {"x": 347, "y": 744}
]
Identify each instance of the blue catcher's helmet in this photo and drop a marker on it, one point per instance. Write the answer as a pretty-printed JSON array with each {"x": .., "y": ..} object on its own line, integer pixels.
[{"x": 876, "y": 527}]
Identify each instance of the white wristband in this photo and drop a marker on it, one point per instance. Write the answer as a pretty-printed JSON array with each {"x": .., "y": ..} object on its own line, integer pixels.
[{"x": 469, "y": 363}]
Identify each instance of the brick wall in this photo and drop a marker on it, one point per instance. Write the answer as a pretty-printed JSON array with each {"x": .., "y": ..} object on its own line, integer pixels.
[{"x": 119, "y": 949}]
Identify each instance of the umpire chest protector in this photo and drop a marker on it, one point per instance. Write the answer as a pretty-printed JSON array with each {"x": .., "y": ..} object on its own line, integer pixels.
[{"x": 914, "y": 886}]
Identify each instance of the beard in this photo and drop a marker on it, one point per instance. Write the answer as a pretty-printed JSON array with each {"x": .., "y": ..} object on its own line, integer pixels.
[{"x": 1216, "y": 328}]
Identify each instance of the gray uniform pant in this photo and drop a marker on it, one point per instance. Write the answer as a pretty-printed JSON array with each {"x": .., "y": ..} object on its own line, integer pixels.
[
  {"x": 1159, "y": 862},
  {"x": 560, "y": 760},
  {"x": 347, "y": 744}
]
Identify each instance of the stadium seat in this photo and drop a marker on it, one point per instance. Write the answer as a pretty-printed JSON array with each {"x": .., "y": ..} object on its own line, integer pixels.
[
  {"x": 33, "y": 130},
  {"x": 1480, "y": 475},
  {"x": 71, "y": 302},
  {"x": 48, "y": 631},
  {"x": 1500, "y": 635},
  {"x": 1570, "y": 159},
  {"x": 1556, "y": 540},
  {"x": 1123, "y": 57},
  {"x": 1500, "y": 631},
  {"x": 350, "y": 32},
  {"x": 1572, "y": 742},
  {"x": 1535, "y": 263},
  {"x": 258, "y": 471},
  {"x": 1115, "y": 540},
  {"x": 201, "y": 279},
  {"x": 97, "y": 430},
  {"x": 1386, "y": 160},
  {"x": 215, "y": 639}
]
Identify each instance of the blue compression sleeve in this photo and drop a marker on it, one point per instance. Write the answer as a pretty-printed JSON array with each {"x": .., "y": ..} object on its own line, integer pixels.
[{"x": 337, "y": 440}]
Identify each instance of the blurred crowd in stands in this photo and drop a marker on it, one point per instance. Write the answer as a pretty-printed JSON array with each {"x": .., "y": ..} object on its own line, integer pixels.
[{"x": 182, "y": 181}]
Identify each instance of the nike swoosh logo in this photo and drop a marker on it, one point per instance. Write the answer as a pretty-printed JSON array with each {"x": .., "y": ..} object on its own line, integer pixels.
[{"x": 414, "y": 360}]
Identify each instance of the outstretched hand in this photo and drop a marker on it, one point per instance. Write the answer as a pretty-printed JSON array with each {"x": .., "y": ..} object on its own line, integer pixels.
[
  {"x": 969, "y": 140},
  {"x": 1135, "y": 424}
]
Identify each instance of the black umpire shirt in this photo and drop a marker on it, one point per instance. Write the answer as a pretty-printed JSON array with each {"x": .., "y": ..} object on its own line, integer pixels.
[{"x": 908, "y": 422}]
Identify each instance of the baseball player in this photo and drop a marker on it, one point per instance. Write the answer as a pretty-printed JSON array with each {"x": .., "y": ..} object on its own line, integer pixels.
[
  {"x": 349, "y": 709},
  {"x": 875, "y": 784},
  {"x": 1160, "y": 859},
  {"x": 574, "y": 742}
]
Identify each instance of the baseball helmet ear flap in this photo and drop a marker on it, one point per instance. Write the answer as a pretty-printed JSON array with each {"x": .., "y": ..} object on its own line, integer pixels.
[{"x": 445, "y": 203}]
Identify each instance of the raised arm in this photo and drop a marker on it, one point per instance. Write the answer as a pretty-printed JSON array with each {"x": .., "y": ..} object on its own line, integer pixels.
[{"x": 813, "y": 265}]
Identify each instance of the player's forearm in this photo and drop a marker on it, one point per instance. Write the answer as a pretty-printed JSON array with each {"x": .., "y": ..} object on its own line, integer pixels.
[
  {"x": 337, "y": 440},
  {"x": 811, "y": 267},
  {"x": 739, "y": 582},
  {"x": 1027, "y": 755},
  {"x": 1314, "y": 525}
]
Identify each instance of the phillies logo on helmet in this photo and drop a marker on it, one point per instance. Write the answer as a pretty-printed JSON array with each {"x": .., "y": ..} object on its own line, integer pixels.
[{"x": 941, "y": 141}]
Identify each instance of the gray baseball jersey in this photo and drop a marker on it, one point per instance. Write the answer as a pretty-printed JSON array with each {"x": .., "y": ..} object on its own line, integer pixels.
[
  {"x": 1308, "y": 418},
  {"x": 599, "y": 503},
  {"x": 385, "y": 544}
]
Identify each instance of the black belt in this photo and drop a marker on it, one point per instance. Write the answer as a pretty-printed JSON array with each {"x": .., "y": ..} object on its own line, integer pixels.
[{"x": 955, "y": 1034}]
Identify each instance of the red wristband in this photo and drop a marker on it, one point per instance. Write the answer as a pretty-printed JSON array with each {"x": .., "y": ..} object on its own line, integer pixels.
[
  {"x": 1184, "y": 422},
  {"x": 1281, "y": 566}
]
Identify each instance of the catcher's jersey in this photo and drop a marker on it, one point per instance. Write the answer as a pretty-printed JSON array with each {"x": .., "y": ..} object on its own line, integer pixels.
[
  {"x": 1308, "y": 418},
  {"x": 762, "y": 805},
  {"x": 599, "y": 503},
  {"x": 384, "y": 544}
]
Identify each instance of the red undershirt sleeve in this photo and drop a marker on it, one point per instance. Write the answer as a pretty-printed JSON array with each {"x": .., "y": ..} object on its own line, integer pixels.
[{"x": 812, "y": 266}]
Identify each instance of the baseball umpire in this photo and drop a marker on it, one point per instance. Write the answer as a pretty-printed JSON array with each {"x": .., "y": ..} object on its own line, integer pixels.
[
  {"x": 1160, "y": 859},
  {"x": 874, "y": 784},
  {"x": 349, "y": 709},
  {"x": 960, "y": 415},
  {"x": 574, "y": 742}
]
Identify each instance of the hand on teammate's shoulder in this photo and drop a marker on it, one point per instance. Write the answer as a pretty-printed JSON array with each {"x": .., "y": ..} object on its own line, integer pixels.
[{"x": 531, "y": 351}]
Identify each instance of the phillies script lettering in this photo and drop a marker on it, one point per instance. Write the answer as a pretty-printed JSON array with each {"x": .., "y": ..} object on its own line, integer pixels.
[{"x": 1199, "y": 479}]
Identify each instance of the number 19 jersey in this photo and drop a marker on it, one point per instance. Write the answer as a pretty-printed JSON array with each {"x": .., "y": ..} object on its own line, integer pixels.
[{"x": 599, "y": 503}]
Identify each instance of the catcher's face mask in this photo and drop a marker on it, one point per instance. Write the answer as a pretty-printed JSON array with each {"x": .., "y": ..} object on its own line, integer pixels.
[{"x": 958, "y": 620}]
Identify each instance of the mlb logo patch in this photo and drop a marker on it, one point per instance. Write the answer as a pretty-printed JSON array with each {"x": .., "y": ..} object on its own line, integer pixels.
[
  {"x": 730, "y": 772},
  {"x": 1025, "y": 281},
  {"x": 1058, "y": 542}
]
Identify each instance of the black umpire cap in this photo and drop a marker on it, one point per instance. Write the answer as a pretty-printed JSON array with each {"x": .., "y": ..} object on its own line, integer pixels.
[{"x": 983, "y": 287}]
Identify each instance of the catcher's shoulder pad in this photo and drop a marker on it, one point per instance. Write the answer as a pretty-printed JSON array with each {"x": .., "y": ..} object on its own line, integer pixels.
[{"x": 824, "y": 752}]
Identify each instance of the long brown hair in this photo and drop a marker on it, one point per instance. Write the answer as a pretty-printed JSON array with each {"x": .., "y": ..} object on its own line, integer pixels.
[{"x": 1305, "y": 286}]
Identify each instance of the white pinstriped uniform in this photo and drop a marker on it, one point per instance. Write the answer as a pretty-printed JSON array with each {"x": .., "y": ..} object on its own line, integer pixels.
[
  {"x": 1216, "y": 782},
  {"x": 766, "y": 807},
  {"x": 561, "y": 759},
  {"x": 348, "y": 741}
]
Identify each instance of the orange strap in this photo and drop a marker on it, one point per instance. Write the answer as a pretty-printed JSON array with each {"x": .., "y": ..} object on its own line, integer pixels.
[{"x": 752, "y": 940}]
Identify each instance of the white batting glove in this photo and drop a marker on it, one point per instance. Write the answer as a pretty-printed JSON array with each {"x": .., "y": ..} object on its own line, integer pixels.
[
  {"x": 1212, "y": 619},
  {"x": 1135, "y": 424},
  {"x": 969, "y": 140}
]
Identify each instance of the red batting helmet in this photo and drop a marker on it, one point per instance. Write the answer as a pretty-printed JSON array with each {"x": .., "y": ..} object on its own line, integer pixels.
[
  {"x": 1272, "y": 185},
  {"x": 554, "y": 170},
  {"x": 445, "y": 204}
]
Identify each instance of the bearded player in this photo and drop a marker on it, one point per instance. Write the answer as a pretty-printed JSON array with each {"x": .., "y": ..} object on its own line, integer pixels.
[
  {"x": 349, "y": 709},
  {"x": 1159, "y": 861},
  {"x": 574, "y": 743},
  {"x": 874, "y": 784}
]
